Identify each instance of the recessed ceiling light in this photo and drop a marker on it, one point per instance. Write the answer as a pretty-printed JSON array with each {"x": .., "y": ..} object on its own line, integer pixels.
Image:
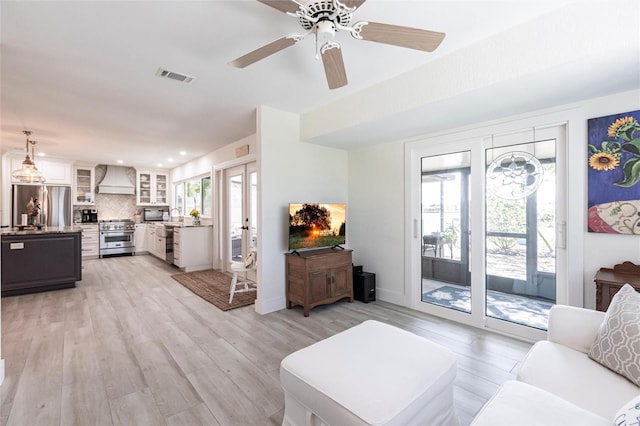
[
  {"x": 120, "y": 161},
  {"x": 183, "y": 152},
  {"x": 170, "y": 160},
  {"x": 159, "y": 164},
  {"x": 41, "y": 154}
]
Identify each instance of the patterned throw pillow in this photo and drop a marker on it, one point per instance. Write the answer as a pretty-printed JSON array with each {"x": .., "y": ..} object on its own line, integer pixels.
[{"x": 617, "y": 345}]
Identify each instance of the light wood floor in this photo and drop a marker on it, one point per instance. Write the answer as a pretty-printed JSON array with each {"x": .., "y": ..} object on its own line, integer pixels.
[{"x": 130, "y": 346}]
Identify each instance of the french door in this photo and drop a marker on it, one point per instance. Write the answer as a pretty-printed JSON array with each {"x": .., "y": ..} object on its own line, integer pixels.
[
  {"x": 240, "y": 208},
  {"x": 486, "y": 246}
]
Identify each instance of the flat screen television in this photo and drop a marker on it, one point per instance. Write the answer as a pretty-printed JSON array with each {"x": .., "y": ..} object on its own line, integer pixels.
[{"x": 316, "y": 225}]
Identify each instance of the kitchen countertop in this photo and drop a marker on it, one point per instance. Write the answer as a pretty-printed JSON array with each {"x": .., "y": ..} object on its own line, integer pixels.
[
  {"x": 44, "y": 230},
  {"x": 179, "y": 225}
]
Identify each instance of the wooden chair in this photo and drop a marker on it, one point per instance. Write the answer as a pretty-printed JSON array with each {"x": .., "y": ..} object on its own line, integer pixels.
[{"x": 249, "y": 264}]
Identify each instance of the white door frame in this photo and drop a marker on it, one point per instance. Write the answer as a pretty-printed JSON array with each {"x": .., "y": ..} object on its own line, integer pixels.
[
  {"x": 476, "y": 141},
  {"x": 219, "y": 207},
  {"x": 245, "y": 170}
]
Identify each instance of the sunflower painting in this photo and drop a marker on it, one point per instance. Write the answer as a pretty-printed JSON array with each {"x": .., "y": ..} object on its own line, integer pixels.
[{"x": 614, "y": 173}]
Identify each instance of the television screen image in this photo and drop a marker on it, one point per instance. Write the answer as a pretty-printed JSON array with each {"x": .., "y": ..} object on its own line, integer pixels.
[{"x": 316, "y": 225}]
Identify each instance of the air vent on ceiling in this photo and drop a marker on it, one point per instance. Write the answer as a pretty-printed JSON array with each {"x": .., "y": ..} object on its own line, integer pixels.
[{"x": 174, "y": 75}]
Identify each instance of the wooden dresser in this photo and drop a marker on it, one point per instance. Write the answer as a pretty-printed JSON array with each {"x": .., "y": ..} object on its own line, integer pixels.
[
  {"x": 318, "y": 277},
  {"x": 610, "y": 280}
]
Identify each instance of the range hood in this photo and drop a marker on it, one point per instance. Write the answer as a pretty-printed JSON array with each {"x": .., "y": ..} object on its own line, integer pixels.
[{"x": 116, "y": 181}]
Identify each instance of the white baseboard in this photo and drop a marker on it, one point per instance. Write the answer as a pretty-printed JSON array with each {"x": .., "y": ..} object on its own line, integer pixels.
[
  {"x": 267, "y": 306},
  {"x": 390, "y": 296},
  {"x": 1, "y": 371}
]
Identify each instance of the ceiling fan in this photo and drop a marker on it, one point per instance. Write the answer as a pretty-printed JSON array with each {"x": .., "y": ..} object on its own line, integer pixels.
[{"x": 323, "y": 18}]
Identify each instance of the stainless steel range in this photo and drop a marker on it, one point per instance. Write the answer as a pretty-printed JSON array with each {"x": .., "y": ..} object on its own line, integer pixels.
[{"x": 116, "y": 237}]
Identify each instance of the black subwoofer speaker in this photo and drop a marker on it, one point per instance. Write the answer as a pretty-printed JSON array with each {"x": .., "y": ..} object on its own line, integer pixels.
[{"x": 364, "y": 286}]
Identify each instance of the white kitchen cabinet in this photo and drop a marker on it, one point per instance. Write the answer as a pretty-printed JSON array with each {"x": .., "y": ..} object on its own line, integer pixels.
[
  {"x": 192, "y": 247},
  {"x": 152, "y": 188},
  {"x": 84, "y": 183},
  {"x": 58, "y": 173},
  {"x": 156, "y": 242},
  {"x": 151, "y": 238},
  {"x": 140, "y": 238},
  {"x": 55, "y": 172},
  {"x": 90, "y": 241},
  {"x": 159, "y": 247}
]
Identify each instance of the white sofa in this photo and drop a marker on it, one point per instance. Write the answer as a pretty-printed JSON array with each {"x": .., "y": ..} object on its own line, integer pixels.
[{"x": 558, "y": 383}]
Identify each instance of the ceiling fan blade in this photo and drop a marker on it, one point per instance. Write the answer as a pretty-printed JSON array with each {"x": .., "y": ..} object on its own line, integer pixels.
[
  {"x": 334, "y": 65},
  {"x": 282, "y": 5},
  {"x": 263, "y": 52},
  {"x": 413, "y": 38},
  {"x": 353, "y": 3}
]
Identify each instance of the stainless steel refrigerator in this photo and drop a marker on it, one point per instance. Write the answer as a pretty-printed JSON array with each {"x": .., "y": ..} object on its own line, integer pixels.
[{"x": 55, "y": 204}]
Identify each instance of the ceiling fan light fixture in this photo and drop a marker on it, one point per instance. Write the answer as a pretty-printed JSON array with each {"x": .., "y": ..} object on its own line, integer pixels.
[
  {"x": 322, "y": 10},
  {"x": 325, "y": 31},
  {"x": 324, "y": 18}
]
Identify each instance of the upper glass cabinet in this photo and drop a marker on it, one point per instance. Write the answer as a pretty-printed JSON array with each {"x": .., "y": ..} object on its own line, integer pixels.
[
  {"x": 152, "y": 188},
  {"x": 84, "y": 185}
]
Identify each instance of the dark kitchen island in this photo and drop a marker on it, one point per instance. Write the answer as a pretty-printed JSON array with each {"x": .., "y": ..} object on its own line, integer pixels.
[{"x": 40, "y": 259}]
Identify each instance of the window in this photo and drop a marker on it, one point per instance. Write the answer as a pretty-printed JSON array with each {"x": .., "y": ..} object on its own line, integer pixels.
[
  {"x": 207, "y": 205},
  {"x": 179, "y": 203},
  {"x": 194, "y": 194}
]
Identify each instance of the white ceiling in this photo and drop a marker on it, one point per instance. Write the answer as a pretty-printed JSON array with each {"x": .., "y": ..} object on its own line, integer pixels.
[{"x": 81, "y": 74}]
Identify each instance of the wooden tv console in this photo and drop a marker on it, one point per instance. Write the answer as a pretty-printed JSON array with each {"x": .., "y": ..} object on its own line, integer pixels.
[{"x": 318, "y": 277}]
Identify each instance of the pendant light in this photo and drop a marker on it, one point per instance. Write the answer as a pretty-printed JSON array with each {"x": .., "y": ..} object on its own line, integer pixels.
[{"x": 28, "y": 173}]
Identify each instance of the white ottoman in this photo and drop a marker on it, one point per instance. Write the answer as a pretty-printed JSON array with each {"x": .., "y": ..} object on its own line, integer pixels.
[{"x": 373, "y": 374}]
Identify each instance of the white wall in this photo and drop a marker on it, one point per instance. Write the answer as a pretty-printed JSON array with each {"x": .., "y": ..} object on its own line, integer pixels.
[
  {"x": 290, "y": 171},
  {"x": 375, "y": 229},
  {"x": 205, "y": 164},
  {"x": 377, "y": 214}
]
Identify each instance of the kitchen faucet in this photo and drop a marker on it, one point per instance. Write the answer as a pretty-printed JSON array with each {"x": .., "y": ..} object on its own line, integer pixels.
[{"x": 180, "y": 217}]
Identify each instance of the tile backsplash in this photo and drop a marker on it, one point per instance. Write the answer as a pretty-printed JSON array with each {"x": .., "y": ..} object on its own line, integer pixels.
[
  {"x": 111, "y": 206},
  {"x": 115, "y": 206}
]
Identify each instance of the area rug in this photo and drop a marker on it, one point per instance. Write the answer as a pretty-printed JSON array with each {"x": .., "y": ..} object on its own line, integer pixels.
[
  {"x": 213, "y": 286},
  {"x": 508, "y": 307}
]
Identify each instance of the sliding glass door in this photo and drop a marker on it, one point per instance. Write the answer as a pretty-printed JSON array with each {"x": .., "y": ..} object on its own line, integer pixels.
[
  {"x": 444, "y": 265},
  {"x": 507, "y": 189},
  {"x": 520, "y": 204}
]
